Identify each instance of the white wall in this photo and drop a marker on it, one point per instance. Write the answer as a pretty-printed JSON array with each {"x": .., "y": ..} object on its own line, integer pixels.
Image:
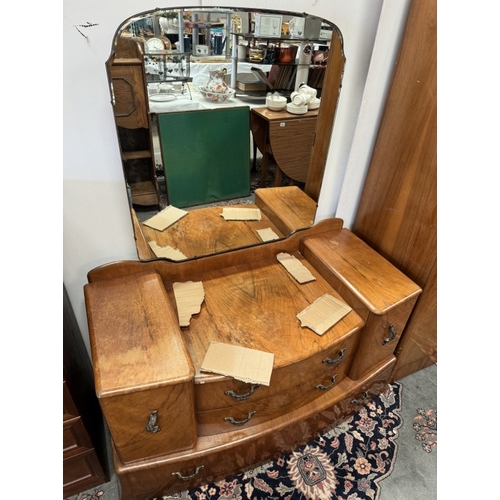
[{"x": 97, "y": 226}]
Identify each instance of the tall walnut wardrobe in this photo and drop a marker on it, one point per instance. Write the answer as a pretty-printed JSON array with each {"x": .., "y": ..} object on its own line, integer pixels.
[{"x": 397, "y": 215}]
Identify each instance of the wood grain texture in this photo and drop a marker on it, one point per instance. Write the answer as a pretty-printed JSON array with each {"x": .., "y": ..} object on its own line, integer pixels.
[
  {"x": 84, "y": 444},
  {"x": 182, "y": 270},
  {"x": 397, "y": 211},
  {"x": 218, "y": 456},
  {"x": 418, "y": 346},
  {"x": 291, "y": 143},
  {"x": 205, "y": 232},
  {"x": 212, "y": 393},
  {"x": 288, "y": 207},
  {"x": 288, "y": 137},
  {"x": 251, "y": 301},
  {"x": 378, "y": 284},
  {"x": 397, "y": 214},
  {"x": 132, "y": 326},
  {"x": 381, "y": 294},
  {"x": 244, "y": 301},
  {"x": 131, "y": 109}
]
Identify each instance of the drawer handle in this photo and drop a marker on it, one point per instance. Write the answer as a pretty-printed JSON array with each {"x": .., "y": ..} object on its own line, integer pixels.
[
  {"x": 153, "y": 418},
  {"x": 241, "y": 397},
  {"x": 187, "y": 478},
  {"x": 327, "y": 387},
  {"x": 392, "y": 335},
  {"x": 331, "y": 361},
  {"x": 231, "y": 420}
]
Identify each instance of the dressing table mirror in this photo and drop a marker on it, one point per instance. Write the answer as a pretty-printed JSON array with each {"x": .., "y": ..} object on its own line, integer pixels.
[{"x": 173, "y": 156}]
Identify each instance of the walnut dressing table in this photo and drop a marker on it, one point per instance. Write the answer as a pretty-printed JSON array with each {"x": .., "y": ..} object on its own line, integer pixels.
[{"x": 173, "y": 426}]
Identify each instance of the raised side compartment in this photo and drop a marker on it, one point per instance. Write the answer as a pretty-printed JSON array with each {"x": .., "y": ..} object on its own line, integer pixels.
[
  {"x": 381, "y": 294},
  {"x": 144, "y": 376}
]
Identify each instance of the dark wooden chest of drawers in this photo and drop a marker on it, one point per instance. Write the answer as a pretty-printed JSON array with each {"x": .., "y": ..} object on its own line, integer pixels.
[{"x": 84, "y": 447}]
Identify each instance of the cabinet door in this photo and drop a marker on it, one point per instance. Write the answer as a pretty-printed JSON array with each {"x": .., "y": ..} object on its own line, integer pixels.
[
  {"x": 206, "y": 155},
  {"x": 398, "y": 207},
  {"x": 130, "y": 100}
]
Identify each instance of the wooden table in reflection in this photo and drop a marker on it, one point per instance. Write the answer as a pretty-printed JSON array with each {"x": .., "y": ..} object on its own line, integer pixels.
[{"x": 289, "y": 138}]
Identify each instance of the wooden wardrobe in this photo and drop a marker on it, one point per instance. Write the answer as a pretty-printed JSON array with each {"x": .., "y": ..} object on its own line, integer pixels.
[{"x": 397, "y": 214}]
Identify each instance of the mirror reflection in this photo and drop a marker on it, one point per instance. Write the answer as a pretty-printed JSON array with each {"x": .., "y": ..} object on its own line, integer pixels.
[{"x": 223, "y": 119}]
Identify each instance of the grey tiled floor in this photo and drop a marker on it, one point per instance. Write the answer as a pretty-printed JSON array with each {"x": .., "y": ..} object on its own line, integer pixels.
[{"x": 415, "y": 471}]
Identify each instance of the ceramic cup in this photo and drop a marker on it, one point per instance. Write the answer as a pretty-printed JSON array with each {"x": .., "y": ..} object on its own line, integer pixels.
[
  {"x": 242, "y": 52},
  {"x": 300, "y": 98},
  {"x": 305, "y": 89}
]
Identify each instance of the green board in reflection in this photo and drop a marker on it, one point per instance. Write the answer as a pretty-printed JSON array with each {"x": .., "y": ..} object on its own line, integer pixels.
[{"x": 206, "y": 155}]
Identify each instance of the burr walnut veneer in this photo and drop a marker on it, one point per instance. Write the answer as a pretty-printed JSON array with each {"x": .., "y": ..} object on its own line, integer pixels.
[{"x": 174, "y": 426}]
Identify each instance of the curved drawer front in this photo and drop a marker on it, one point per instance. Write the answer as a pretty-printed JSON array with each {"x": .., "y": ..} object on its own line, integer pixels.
[
  {"x": 256, "y": 412},
  {"x": 315, "y": 377},
  {"x": 306, "y": 374},
  {"x": 233, "y": 454}
]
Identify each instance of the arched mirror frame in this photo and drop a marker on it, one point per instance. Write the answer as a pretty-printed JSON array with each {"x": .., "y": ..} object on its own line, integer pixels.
[{"x": 332, "y": 82}]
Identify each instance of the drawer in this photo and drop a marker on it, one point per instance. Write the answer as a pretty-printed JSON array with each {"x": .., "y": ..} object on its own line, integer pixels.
[
  {"x": 232, "y": 393},
  {"x": 147, "y": 423},
  {"x": 69, "y": 408},
  {"x": 380, "y": 337},
  {"x": 75, "y": 437},
  {"x": 81, "y": 473},
  {"x": 216, "y": 458},
  {"x": 251, "y": 413}
]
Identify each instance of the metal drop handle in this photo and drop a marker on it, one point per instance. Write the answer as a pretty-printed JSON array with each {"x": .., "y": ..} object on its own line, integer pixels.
[
  {"x": 327, "y": 387},
  {"x": 231, "y": 420},
  {"x": 241, "y": 397},
  {"x": 152, "y": 420},
  {"x": 331, "y": 361},
  {"x": 392, "y": 335},
  {"x": 187, "y": 478}
]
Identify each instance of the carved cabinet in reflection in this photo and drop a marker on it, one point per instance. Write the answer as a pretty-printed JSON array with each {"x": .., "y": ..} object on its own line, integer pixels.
[{"x": 133, "y": 122}]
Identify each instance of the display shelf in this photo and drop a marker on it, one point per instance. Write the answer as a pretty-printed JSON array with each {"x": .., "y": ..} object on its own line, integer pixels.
[
  {"x": 289, "y": 75},
  {"x": 206, "y": 25},
  {"x": 133, "y": 123}
]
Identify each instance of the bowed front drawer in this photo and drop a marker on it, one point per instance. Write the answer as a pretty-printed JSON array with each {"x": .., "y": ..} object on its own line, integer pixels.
[
  {"x": 229, "y": 404},
  {"x": 217, "y": 457}
]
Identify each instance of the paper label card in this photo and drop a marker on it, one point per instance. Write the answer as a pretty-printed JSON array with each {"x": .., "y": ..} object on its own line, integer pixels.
[
  {"x": 323, "y": 313},
  {"x": 166, "y": 251},
  {"x": 295, "y": 267},
  {"x": 165, "y": 218},
  {"x": 236, "y": 213},
  {"x": 188, "y": 297},
  {"x": 248, "y": 365},
  {"x": 267, "y": 234}
]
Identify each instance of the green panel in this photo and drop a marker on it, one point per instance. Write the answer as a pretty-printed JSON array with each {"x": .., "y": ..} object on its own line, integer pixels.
[{"x": 206, "y": 155}]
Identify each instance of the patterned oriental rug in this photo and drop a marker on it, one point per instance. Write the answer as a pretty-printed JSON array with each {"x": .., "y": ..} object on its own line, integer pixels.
[{"x": 345, "y": 463}]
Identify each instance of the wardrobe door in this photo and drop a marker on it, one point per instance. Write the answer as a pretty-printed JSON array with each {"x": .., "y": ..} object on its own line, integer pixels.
[{"x": 397, "y": 211}]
